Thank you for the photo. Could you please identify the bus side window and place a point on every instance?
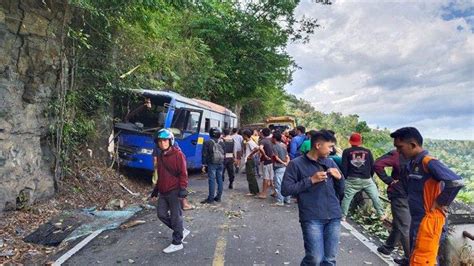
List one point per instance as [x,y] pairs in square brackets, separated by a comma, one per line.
[193,122]
[208,125]
[226,125]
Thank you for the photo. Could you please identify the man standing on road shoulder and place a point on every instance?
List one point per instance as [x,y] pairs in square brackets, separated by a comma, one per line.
[171,185]
[357,167]
[251,148]
[398,203]
[229,157]
[431,187]
[238,143]
[280,161]
[310,178]
[213,157]
[266,153]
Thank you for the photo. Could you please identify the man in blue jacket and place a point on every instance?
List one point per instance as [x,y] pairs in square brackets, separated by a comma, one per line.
[297,141]
[317,183]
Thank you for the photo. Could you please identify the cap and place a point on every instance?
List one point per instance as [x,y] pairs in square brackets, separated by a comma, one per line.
[355,139]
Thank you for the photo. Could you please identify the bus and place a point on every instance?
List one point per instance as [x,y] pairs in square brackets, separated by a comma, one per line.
[148,111]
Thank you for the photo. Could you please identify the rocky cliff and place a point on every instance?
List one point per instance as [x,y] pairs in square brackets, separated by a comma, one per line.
[30,67]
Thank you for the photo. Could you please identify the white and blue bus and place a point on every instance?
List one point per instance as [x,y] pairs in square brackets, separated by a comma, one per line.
[189,120]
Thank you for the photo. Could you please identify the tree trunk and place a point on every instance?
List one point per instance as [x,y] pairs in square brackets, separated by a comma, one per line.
[237,111]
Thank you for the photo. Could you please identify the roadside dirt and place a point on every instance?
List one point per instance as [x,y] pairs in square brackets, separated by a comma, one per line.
[92,187]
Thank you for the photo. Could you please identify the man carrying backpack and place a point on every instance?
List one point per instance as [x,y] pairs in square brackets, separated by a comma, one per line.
[296,142]
[213,158]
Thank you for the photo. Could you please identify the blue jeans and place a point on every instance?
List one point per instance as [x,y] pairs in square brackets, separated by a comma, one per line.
[321,241]
[277,178]
[214,173]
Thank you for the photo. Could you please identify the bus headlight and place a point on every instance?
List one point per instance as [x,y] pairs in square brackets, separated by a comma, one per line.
[145,151]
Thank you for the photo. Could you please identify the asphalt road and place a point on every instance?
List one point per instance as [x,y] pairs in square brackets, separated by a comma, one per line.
[239,231]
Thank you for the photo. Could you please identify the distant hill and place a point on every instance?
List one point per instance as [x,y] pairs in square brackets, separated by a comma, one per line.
[458,155]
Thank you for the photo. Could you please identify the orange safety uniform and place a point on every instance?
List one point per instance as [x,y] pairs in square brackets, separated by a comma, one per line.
[429,180]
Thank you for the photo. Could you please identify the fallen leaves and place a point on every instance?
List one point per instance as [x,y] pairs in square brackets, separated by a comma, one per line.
[84,191]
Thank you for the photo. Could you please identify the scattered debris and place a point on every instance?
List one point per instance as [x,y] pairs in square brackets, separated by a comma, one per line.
[236,236]
[277,252]
[131,261]
[84,190]
[115,204]
[286,263]
[54,232]
[132,224]
[128,190]
[7,253]
[368,262]
[234,214]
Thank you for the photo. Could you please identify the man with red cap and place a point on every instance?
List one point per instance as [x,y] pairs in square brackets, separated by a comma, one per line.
[357,167]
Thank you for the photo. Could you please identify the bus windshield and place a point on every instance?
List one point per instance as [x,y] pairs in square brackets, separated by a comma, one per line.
[147,111]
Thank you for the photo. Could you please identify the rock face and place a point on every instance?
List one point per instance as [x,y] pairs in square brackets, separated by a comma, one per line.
[30,47]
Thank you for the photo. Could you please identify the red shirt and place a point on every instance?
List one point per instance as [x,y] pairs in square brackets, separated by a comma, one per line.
[174,175]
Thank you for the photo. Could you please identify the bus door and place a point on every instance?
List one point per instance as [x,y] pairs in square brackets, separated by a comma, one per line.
[186,126]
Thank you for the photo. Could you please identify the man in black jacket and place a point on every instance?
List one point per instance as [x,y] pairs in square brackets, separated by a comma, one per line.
[357,167]
[213,159]
[229,157]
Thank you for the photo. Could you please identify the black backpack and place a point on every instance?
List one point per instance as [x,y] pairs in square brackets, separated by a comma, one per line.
[217,153]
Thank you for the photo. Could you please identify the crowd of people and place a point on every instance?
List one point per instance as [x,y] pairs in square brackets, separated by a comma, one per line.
[308,167]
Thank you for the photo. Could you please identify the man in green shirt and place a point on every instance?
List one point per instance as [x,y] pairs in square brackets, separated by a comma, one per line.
[306,145]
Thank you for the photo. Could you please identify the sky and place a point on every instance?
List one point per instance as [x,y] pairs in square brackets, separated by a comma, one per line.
[394,63]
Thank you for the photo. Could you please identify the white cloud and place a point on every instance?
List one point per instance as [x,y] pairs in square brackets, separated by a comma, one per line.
[393,63]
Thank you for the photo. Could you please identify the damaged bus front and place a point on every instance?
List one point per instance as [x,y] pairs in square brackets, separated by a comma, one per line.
[148,111]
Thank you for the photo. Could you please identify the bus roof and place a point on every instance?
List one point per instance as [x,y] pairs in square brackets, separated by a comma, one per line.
[213,107]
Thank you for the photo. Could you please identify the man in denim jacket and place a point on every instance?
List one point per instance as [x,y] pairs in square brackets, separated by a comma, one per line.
[316,181]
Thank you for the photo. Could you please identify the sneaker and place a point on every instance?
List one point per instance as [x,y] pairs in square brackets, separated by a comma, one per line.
[278,204]
[401,261]
[186,232]
[173,248]
[231,186]
[206,201]
[216,199]
[384,251]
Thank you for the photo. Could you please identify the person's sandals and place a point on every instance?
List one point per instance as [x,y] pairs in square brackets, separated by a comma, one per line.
[188,207]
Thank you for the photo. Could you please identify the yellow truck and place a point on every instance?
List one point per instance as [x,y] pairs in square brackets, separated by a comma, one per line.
[281,123]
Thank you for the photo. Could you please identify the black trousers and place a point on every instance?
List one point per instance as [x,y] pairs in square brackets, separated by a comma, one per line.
[400,225]
[229,166]
[170,213]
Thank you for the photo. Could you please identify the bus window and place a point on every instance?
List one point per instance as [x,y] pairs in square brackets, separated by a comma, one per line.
[193,122]
[185,122]
[208,125]
[226,125]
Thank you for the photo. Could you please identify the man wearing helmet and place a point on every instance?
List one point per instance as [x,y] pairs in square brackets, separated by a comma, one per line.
[213,158]
[171,185]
